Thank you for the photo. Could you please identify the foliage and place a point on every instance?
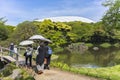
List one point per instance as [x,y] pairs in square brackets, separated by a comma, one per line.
[2,20]
[82,30]
[89,44]
[7,78]
[111,18]
[58,32]
[58,49]
[108,73]
[105,45]
[26,75]
[3,32]
[10,30]
[23,31]
[117,45]
[7,70]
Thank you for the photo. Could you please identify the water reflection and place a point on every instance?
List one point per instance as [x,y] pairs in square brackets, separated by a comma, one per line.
[91,58]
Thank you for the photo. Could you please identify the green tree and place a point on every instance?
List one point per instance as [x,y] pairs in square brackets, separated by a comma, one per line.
[99,35]
[111,19]
[3,20]
[3,29]
[23,31]
[3,32]
[84,31]
[58,32]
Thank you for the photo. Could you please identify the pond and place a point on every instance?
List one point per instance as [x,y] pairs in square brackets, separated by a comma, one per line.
[91,59]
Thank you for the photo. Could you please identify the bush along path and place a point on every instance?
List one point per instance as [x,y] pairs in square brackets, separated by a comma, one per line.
[105,73]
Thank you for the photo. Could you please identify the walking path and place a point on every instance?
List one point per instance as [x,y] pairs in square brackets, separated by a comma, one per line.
[55,74]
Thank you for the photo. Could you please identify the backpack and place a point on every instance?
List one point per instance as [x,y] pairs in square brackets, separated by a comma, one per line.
[49,50]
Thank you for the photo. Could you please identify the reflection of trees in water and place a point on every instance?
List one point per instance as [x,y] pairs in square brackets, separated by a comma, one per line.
[64,58]
[102,57]
[105,56]
[76,58]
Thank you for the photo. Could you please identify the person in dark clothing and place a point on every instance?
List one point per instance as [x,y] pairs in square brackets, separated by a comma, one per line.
[11,48]
[40,58]
[28,56]
[47,56]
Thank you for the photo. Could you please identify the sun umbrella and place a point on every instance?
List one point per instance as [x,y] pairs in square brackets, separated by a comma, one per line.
[40,37]
[37,37]
[48,40]
[26,42]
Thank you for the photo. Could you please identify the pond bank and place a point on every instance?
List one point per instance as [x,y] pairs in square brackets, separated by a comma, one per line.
[106,73]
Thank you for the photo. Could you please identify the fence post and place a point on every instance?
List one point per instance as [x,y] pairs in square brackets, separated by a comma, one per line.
[17,55]
[1,50]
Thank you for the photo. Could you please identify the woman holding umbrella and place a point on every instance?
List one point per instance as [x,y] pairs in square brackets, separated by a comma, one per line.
[40,58]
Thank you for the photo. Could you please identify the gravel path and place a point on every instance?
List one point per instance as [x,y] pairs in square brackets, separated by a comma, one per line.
[54,74]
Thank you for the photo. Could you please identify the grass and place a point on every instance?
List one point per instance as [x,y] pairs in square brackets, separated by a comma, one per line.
[108,73]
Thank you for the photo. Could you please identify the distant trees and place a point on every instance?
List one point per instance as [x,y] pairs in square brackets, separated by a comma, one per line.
[82,30]
[5,30]
[23,31]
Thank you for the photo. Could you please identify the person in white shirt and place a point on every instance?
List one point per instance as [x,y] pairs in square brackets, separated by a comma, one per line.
[16,51]
[28,56]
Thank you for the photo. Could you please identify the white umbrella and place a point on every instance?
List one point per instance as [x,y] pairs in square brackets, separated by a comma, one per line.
[39,37]
[26,42]
[48,40]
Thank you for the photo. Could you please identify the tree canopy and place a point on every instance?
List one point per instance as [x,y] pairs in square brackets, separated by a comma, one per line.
[111,20]
[58,32]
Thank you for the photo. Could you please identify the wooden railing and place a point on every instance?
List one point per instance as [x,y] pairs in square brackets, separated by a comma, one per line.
[5,55]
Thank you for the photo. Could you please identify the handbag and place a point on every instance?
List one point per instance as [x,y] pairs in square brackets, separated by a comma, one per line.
[25,53]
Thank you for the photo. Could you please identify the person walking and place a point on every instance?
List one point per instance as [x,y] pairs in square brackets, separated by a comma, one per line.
[40,58]
[28,56]
[47,56]
[16,52]
[11,48]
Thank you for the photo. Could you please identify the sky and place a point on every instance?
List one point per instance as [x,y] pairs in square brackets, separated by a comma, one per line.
[17,11]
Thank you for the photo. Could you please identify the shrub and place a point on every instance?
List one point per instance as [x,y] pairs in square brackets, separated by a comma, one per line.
[105,45]
[116,45]
[66,67]
[8,69]
[89,45]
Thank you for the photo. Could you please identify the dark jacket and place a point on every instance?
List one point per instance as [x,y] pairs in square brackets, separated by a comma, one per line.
[41,55]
